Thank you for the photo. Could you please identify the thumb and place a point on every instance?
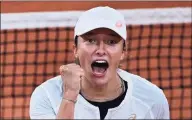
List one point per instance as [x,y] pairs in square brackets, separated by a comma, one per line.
[62,77]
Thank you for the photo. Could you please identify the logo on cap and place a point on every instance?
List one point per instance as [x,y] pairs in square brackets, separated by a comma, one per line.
[118,24]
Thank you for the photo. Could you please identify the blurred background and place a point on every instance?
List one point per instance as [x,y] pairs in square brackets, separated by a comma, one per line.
[160,52]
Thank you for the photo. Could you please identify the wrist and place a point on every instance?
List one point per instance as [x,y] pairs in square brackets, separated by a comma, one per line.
[70,100]
[70,95]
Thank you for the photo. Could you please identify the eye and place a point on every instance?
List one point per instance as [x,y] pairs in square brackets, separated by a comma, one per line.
[111,42]
[92,41]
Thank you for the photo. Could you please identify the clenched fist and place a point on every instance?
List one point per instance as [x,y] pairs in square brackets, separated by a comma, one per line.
[71,74]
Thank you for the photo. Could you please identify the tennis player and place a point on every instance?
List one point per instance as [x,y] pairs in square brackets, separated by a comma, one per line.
[94,87]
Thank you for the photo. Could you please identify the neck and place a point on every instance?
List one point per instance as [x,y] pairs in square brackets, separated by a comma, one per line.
[106,92]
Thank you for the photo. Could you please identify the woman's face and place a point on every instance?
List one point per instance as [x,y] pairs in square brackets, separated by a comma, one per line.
[100,52]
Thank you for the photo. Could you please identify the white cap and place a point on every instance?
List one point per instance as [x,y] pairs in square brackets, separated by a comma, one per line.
[101,17]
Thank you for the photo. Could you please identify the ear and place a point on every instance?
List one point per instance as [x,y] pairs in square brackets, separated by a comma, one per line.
[122,55]
[75,50]
[125,51]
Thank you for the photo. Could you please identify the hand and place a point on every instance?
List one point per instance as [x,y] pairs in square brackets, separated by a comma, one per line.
[72,75]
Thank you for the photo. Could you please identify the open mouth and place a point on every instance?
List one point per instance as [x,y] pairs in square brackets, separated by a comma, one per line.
[99,67]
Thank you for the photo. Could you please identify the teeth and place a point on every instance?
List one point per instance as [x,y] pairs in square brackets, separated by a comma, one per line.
[100,61]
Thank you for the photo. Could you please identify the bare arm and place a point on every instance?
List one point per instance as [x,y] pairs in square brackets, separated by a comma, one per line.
[71,76]
[66,109]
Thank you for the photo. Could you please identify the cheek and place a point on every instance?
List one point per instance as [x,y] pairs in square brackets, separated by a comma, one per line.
[84,55]
[115,56]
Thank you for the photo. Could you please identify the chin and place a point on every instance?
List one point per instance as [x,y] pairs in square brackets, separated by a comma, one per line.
[100,81]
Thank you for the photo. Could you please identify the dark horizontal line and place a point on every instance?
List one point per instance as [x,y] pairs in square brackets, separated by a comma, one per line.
[64,40]
[14,96]
[36,52]
[15,107]
[148,57]
[34,63]
[138,49]
[159,47]
[172,97]
[129,69]
[156,68]
[151,26]
[181,108]
[67,39]
[40,29]
[174,87]
[25,84]
[68,52]
[19,85]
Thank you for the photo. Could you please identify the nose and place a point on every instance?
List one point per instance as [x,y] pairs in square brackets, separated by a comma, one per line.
[101,49]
